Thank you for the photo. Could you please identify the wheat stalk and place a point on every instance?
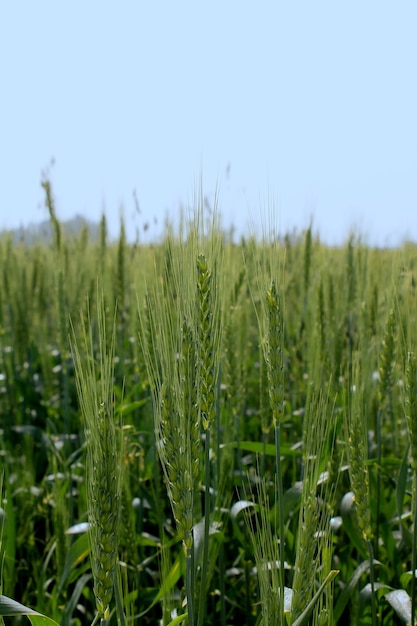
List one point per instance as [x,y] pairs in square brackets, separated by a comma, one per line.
[275,377]
[314,518]
[411,414]
[386,383]
[357,438]
[207,336]
[266,551]
[207,373]
[168,341]
[104,458]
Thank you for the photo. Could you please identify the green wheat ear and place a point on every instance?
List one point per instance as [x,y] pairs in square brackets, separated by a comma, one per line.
[358,468]
[313,540]
[273,354]
[207,371]
[104,458]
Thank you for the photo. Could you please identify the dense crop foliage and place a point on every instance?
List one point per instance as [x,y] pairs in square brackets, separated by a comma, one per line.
[207,432]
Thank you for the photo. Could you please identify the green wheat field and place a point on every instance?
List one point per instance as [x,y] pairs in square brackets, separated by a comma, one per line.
[205,432]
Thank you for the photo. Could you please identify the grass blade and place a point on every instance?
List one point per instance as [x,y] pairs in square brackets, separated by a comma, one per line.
[11,608]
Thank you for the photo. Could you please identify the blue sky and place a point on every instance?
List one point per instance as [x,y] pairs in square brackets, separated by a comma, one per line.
[307,109]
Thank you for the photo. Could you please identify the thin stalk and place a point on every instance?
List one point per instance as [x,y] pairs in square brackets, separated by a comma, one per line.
[413,554]
[217,481]
[264,407]
[378,479]
[238,451]
[372,577]
[263,455]
[280,500]
[118,596]
[189,583]
[204,564]
[411,413]
[275,366]
[222,586]
[95,620]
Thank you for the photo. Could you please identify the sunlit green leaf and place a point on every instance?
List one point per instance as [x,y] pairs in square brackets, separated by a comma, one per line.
[10,608]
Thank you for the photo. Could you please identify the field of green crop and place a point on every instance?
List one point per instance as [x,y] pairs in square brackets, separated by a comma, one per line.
[202,432]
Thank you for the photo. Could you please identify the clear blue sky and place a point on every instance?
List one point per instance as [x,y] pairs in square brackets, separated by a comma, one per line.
[307,107]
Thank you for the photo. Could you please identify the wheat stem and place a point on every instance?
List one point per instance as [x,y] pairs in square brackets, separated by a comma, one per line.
[104,459]
[412,432]
[274,361]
